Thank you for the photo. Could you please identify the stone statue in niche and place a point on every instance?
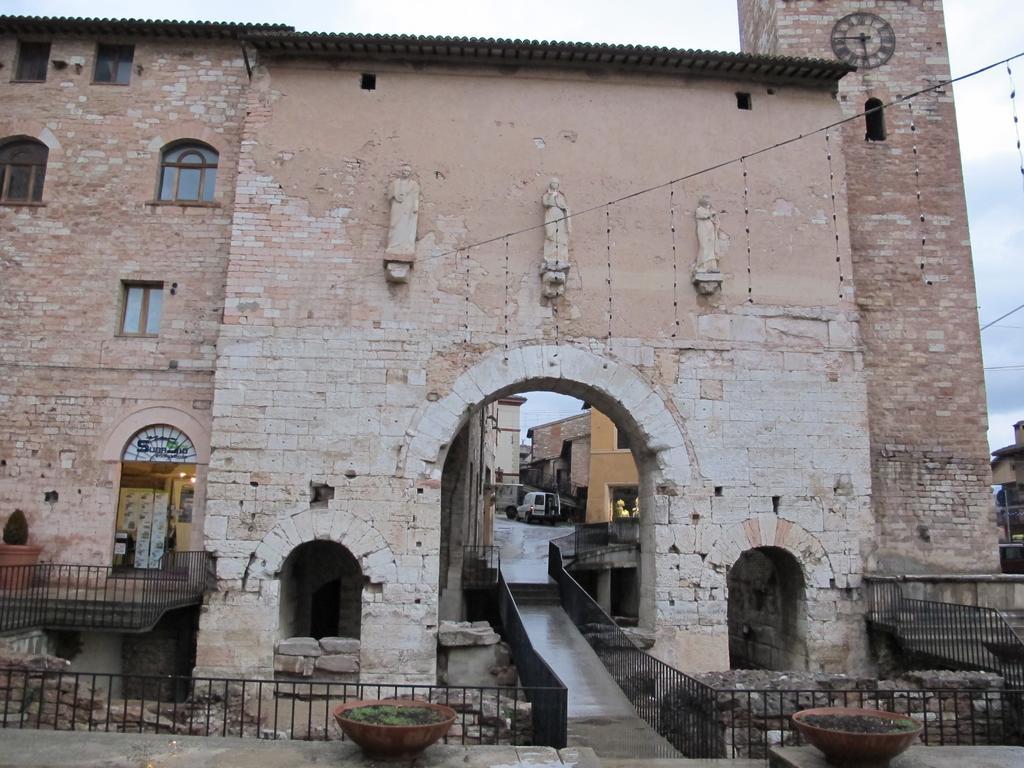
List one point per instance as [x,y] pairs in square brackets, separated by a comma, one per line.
[557,229]
[404,197]
[707,277]
[707,236]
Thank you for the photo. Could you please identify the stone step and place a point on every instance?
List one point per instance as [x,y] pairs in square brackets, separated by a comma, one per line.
[535,594]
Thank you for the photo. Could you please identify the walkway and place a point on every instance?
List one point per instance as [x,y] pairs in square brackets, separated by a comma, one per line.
[600,715]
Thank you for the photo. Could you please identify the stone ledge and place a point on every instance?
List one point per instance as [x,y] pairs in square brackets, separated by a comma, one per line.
[44,749]
[915,757]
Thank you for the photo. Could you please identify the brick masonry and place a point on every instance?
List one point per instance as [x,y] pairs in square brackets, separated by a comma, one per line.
[326,374]
[929,455]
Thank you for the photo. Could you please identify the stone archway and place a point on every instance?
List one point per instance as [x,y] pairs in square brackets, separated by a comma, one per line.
[358,536]
[620,391]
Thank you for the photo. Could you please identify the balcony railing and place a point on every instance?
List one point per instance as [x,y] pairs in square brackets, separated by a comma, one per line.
[590,538]
[948,634]
[63,596]
[480,567]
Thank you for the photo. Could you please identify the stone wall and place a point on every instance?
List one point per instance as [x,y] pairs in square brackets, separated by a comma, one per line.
[68,379]
[930,461]
[327,372]
[548,438]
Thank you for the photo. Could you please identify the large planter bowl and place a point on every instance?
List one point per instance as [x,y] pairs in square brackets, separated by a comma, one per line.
[851,749]
[394,741]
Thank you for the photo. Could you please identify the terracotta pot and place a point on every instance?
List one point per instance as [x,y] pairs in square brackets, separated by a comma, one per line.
[856,750]
[14,555]
[396,742]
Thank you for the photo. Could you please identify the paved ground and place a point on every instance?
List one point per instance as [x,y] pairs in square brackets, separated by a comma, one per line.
[43,749]
[600,715]
[915,757]
[524,549]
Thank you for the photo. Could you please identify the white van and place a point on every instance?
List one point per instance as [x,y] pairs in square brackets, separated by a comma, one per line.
[538,505]
[507,496]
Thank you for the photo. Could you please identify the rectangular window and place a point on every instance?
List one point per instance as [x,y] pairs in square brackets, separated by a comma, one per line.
[621,440]
[141,304]
[114,64]
[33,59]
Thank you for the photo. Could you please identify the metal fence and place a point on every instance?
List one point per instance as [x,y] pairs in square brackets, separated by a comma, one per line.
[948,634]
[265,709]
[753,721]
[60,596]
[591,538]
[546,691]
[678,707]
[480,566]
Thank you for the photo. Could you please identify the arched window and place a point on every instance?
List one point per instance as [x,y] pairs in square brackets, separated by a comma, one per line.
[22,170]
[874,118]
[188,173]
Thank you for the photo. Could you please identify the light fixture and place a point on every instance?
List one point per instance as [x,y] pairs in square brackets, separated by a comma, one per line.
[192,480]
[182,474]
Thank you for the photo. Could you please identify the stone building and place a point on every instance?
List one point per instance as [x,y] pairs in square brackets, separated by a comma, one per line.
[250,260]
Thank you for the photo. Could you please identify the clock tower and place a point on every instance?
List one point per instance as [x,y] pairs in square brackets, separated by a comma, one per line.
[913,280]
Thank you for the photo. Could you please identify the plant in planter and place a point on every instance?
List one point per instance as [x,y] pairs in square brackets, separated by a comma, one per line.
[857,738]
[15,549]
[397,729]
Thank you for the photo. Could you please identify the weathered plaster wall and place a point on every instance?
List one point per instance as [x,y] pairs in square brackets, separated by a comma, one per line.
[327,373]
[930,462]
[67,379]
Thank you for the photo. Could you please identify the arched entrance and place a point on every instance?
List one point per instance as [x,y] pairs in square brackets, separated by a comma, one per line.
[630,400]
[321,592]
[156,496]
[767,611]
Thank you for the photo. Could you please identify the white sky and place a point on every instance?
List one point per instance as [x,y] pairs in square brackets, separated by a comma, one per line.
[979,32]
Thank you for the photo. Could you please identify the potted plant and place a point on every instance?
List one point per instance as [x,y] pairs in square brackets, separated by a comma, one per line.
[857,738]
[15,549]
[397,729]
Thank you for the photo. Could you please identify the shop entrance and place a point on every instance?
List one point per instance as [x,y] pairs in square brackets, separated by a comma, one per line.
[156,497]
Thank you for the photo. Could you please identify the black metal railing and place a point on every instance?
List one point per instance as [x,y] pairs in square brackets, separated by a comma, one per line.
[63,596]
[678,707]
[546,691]
[591,538]
[243,708]
[948,634]
[480,566]
[753,721]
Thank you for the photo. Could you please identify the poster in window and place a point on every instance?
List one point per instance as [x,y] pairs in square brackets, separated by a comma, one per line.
[186,499]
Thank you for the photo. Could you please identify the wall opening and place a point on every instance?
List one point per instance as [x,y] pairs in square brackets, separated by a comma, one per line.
[156,497]
[321,592]
[874,119]
[767,611]
[579,458]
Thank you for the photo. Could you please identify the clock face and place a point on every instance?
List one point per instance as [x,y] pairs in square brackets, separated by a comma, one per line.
[863,40]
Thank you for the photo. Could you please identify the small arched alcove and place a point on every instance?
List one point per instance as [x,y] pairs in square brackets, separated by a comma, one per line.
[767,611]
[321,592]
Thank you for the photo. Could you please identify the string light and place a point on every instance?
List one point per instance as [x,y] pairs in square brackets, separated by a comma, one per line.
[507,279]
[746,226]
[608,278]
[675,261]
[1016,119]
[465,261]
[917,185]
[554,299]
[835,216]
[754,153]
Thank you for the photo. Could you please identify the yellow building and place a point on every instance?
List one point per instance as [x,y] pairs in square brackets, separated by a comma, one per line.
[613,475]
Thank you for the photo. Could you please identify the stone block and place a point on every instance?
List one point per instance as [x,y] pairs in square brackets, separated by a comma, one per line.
[299,646]
[334,645]
[453,634]
[338,662]
[294,665]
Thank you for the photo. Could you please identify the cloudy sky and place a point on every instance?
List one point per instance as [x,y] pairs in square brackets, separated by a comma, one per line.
[980,31]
